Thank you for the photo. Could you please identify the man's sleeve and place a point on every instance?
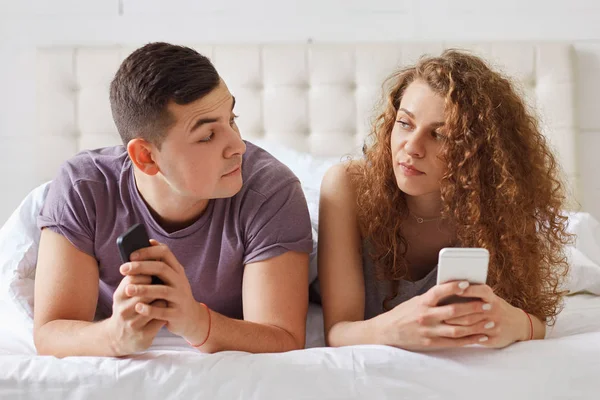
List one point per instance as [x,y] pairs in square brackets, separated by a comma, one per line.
[280,224]
[69,210]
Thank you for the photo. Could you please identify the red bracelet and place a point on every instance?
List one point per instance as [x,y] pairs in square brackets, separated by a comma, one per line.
[207,333]
[530,325]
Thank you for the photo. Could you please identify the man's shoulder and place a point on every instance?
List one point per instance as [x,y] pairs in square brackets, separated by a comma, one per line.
[99,165]
[263,173]
[83,188]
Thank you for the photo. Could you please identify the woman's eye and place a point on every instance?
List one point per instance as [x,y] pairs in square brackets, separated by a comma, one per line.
[403,124]
[233,118]
[438,135]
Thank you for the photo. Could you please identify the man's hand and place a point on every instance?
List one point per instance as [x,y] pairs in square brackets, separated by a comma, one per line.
[129,331]
[184,316]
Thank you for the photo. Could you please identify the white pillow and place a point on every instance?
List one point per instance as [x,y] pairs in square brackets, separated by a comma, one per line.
[584,274]
[310,170]
[19,241]
[587,229]
[584,256]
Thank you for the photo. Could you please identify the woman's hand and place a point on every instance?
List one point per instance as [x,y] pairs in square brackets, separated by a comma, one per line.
[419,324]
[507,324]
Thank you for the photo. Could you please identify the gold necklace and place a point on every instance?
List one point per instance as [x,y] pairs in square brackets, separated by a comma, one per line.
[421,220]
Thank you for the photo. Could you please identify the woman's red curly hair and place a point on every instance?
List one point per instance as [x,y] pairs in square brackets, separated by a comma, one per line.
[502,188]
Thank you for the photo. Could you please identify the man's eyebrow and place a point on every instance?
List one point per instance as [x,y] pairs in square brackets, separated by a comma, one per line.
[204,121]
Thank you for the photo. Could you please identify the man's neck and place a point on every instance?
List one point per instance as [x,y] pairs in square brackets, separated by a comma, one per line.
[172,211]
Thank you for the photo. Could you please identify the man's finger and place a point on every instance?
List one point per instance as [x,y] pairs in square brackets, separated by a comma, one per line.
[130,280]
[138,322]
[153,268]
[154,326]
[126,307]
[157,251]
[154,312]
[159,303]
[154,292]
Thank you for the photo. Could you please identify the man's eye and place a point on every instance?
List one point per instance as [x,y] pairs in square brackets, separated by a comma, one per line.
[207,139]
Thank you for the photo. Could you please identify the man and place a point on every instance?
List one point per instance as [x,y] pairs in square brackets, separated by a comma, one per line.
[231,225]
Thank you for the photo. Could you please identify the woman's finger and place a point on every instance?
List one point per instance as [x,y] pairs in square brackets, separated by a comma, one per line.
[484,327]
[466,320]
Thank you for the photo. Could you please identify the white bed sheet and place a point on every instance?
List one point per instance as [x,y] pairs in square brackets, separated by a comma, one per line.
[564,366]
[16,335]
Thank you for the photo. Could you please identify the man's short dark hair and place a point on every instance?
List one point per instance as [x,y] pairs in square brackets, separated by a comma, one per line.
[151,77]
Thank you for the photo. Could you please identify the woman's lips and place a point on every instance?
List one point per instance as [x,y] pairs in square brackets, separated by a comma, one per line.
[409,170]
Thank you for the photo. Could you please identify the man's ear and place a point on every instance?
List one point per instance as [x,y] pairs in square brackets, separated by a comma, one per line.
[140,153]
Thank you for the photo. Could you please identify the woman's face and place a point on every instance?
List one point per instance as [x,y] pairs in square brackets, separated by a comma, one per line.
[417,139]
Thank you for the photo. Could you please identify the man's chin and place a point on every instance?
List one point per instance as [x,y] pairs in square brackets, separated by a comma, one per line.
[229,190]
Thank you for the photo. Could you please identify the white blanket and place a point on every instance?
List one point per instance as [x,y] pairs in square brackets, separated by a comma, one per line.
[540,370]
[564,366]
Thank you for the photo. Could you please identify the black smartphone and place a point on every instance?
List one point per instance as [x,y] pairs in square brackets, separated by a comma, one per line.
[133,239]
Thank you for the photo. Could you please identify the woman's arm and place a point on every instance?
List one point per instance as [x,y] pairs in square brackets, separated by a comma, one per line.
[417,324]
[539,328]
[340,263]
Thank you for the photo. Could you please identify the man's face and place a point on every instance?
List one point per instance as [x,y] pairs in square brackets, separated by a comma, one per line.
[201,156]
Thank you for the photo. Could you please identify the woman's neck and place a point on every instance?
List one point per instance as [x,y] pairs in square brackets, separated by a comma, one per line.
[425,206]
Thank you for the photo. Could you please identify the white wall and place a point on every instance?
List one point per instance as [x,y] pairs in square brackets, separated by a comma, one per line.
[25,24]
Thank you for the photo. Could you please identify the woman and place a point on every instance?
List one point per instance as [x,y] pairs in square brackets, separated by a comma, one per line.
[454,160]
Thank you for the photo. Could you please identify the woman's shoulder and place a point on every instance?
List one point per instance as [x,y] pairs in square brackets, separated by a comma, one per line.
[343,174]
[339,182]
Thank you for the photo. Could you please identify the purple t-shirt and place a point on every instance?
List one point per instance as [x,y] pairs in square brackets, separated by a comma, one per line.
[94,199]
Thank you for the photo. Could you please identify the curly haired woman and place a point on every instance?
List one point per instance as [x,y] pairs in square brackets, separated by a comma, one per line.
[454,160]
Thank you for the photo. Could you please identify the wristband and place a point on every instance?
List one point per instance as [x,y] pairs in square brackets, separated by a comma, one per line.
[207,333]
[530,325]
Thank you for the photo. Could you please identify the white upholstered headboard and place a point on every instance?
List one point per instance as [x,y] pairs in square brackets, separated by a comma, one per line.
[316,98]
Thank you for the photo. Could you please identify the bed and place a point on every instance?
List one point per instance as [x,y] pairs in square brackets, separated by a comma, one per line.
[309,104]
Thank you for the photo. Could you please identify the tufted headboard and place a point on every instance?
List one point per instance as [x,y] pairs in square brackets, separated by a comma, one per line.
[316,98]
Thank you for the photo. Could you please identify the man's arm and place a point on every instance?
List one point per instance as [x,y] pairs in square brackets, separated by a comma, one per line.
[66,295]
[275,298]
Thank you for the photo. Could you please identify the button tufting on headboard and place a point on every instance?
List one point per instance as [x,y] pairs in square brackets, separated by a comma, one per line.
[317,98]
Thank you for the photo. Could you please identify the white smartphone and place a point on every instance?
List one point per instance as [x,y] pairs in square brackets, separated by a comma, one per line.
[462,264]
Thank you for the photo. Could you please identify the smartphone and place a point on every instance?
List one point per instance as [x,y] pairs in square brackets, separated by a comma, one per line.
[462,264]
[133,239]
